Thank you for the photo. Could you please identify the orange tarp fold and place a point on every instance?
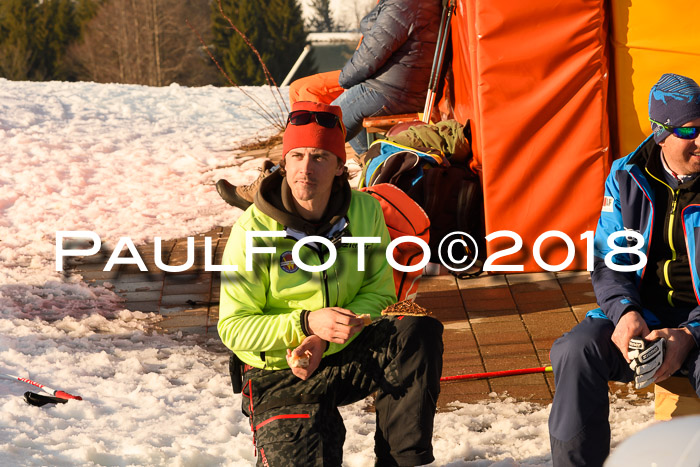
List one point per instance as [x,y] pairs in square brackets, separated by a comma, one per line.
[533,80]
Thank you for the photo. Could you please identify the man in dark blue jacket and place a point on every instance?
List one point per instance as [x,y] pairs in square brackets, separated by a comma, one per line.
[646,277]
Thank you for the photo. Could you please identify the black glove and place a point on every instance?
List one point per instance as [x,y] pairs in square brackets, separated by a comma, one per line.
[647,357]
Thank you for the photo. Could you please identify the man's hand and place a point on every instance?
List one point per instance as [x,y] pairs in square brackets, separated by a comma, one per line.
[679,342]
[334,324]
[630,325]
[315,347]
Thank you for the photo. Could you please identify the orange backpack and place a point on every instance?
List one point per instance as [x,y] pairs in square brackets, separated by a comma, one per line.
[403,217]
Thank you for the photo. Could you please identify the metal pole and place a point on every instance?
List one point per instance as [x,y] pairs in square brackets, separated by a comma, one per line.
[296,65]
[436,55]
[438,59]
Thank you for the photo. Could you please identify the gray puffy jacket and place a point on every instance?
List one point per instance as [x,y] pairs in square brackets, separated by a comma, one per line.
[396,52]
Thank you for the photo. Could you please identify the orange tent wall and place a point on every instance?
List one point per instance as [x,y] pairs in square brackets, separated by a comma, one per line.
[532,78]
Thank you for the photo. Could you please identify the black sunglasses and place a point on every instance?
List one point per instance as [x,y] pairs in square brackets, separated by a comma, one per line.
[682,132]
[304,117]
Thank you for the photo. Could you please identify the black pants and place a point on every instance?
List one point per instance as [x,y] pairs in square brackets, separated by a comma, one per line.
[297,422]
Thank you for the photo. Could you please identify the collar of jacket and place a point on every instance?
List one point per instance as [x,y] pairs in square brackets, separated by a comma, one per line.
[648,157]
[640,157]
[274,198]
[335,234]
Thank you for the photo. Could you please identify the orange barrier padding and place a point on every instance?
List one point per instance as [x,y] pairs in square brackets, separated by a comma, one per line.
[534,82]
[644,49]
[321,87]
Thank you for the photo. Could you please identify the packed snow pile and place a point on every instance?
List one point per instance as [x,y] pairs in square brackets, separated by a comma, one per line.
[140,162]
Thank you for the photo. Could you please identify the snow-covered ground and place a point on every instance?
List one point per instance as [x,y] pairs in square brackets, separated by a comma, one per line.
[141,162]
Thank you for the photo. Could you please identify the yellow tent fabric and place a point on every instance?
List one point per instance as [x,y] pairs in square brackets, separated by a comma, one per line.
[649,38]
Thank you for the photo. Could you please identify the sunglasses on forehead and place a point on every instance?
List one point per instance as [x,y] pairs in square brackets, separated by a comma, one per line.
[304,117]
[682,132]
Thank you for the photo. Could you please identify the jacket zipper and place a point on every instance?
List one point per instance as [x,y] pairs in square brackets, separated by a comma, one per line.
[671,220]
[324,276]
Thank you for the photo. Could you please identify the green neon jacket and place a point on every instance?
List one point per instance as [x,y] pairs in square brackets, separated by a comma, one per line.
[260,310]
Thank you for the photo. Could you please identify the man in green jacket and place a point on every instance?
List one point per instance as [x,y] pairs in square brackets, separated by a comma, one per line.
[291,312]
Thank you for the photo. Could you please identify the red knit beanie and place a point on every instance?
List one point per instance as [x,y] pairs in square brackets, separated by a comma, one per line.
[313,135]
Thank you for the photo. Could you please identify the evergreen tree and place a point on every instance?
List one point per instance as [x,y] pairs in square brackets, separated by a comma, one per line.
[274,27]
[34,36]
[322,21]
[60,27]
[85,10]
[17,51]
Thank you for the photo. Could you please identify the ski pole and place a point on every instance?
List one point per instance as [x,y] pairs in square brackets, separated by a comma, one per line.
[440,47]
[46,389]
[496,374]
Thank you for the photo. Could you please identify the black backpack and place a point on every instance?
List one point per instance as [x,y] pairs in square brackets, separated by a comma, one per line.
[454,202]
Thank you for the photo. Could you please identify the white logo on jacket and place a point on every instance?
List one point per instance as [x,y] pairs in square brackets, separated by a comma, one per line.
[608,203]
